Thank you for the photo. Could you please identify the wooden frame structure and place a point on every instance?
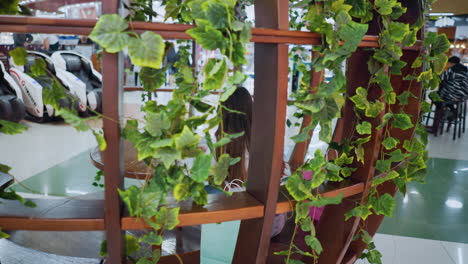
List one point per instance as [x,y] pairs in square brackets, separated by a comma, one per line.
[256,207]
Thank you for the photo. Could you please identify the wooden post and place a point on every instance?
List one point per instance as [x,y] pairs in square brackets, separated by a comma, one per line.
[269,118]
[112,69]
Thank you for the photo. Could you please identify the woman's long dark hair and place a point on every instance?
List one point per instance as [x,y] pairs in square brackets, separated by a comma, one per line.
[240,101]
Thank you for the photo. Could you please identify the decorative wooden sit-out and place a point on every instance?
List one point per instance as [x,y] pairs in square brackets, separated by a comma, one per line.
[258,206]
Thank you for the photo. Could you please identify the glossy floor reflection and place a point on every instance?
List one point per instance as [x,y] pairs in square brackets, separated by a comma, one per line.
[437,209]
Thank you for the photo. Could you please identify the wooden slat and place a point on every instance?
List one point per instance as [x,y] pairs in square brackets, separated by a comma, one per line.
[112,96]
[220,208]
[88,215]
[268,128]
[167,31]
[166,90]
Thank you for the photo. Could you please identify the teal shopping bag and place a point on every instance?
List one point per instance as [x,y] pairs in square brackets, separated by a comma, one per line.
[218,242]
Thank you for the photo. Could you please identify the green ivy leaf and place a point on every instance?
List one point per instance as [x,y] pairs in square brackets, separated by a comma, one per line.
[78,123]
[403,98]
[131,246]
[390,143]
[397,66]
[360,98]
[385,120]
[38,68]
[359,151]
[246,33]
[314,243]
[361,211]
[227,93]
[182,191]
[296,187]
[152,79]
[152,238]
[5,168]
[383,165]
[207,36]
[402,121]
[147,51]
[302,212]
[304,134]
[173,8]
[109,33]
[167,155]
[9,7]
[227,139]
[390,98]
[344,159]
[439,61]
[361,9]
[101,141]
[11,128]
[365,128]
[3,234]
[167,142]
[397,156]
[186,140]
[385,7]
[374,109]
[383,80]
[390,176]
[156,123]
[314,105]
[131,198]
[201,168]
[398,30]
[215,74]
[410,38]
[322,201]
[417,63]
[19,56]
[318,178]
[383,205]
[440,45]
[351,33]
[169,218]
[217,13]
[220,169]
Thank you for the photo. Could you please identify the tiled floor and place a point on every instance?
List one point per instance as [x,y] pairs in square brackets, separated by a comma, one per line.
[409,250]
[430,224]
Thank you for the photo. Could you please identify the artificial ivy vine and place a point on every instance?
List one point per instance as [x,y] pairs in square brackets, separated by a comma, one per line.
[167,139]
[323,104]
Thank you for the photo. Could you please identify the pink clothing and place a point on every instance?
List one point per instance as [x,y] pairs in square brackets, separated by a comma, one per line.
[314,212]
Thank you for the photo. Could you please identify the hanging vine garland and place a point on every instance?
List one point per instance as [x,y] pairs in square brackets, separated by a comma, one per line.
[385,61]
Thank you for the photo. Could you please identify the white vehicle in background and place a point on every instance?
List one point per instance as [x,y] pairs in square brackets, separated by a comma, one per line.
[11,98]
[83,69]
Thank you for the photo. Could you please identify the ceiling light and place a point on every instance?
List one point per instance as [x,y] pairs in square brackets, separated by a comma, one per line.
[441,14]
